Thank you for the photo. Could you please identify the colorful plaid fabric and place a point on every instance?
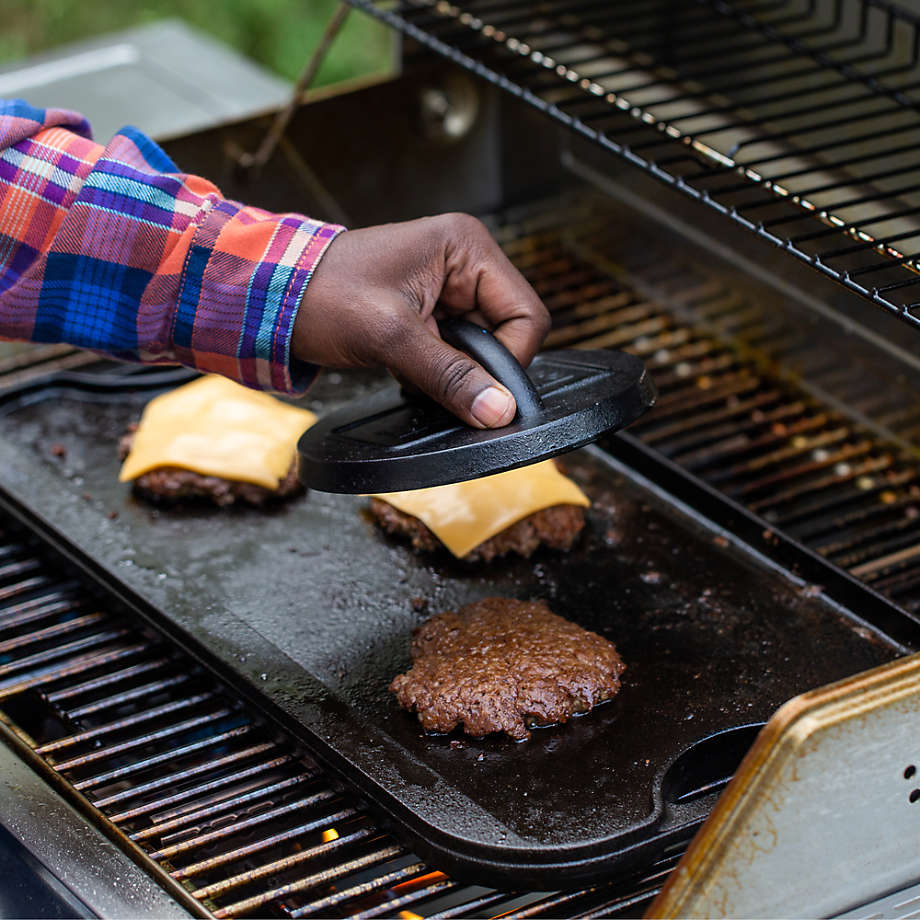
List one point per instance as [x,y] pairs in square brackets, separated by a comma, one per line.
[112,249]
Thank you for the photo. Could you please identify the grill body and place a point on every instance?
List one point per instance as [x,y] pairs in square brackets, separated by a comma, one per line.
[788,412]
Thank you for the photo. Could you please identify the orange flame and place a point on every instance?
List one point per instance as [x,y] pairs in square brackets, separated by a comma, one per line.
[419,882]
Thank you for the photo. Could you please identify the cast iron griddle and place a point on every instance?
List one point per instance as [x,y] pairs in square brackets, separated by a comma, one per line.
[313,608]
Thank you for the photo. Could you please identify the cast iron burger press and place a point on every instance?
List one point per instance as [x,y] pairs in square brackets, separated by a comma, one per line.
[395,442]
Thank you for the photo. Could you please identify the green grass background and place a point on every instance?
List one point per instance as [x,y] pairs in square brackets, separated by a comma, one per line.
[279,34]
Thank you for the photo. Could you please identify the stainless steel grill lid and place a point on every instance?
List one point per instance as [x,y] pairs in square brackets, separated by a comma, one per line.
[394,441]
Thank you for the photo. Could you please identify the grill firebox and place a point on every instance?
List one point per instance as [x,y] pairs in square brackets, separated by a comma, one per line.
[231,812]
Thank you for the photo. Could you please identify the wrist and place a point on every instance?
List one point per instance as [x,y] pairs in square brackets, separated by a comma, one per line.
[301,357]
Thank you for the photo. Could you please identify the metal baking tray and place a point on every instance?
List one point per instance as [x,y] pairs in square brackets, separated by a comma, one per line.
[308,609]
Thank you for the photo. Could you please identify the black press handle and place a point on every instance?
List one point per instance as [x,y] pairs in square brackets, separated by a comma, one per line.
[480,344]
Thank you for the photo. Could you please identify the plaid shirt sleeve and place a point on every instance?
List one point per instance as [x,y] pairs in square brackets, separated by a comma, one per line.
[113,249]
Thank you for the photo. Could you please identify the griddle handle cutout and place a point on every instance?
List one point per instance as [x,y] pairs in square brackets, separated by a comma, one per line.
[707,766]
[480,344]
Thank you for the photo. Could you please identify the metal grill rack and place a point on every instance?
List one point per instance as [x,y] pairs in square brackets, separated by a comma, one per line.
[795,118]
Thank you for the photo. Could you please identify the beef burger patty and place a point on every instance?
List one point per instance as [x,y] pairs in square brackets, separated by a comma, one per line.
[501,664]
[169,484]
[556,527]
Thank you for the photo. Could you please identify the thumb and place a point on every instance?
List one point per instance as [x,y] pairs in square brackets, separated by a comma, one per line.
[450,377]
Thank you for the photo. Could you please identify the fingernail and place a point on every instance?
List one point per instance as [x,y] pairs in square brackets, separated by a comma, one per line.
[491,406]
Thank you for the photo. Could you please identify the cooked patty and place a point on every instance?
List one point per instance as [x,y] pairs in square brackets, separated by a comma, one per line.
[170,484]
[556,527]
[505,665]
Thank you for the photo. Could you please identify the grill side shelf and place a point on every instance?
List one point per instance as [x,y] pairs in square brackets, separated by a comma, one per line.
[802,135]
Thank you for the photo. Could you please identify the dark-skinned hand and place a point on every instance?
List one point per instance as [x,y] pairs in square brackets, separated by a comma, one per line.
[375,296]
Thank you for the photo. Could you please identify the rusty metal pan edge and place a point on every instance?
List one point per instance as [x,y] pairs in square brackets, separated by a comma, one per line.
[710,878]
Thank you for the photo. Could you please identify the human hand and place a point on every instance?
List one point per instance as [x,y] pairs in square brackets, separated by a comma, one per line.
[375,296]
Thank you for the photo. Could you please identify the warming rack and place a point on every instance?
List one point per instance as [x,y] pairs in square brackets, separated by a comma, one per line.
[794,118]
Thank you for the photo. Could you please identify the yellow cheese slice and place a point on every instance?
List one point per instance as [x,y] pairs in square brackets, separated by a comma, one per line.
[464,514]
[216,427]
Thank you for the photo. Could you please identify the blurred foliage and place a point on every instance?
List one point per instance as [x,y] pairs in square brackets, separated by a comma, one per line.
[279,34]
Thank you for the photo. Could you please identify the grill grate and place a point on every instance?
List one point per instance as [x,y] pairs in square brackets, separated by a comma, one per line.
[795,118]
[224,804]
[725,411]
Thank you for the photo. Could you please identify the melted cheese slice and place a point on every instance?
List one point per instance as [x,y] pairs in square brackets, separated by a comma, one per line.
[216,427]
[464,514]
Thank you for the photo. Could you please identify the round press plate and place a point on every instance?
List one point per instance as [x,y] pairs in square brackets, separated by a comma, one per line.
[391,443]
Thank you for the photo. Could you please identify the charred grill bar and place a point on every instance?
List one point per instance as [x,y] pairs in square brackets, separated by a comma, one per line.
[801,412]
